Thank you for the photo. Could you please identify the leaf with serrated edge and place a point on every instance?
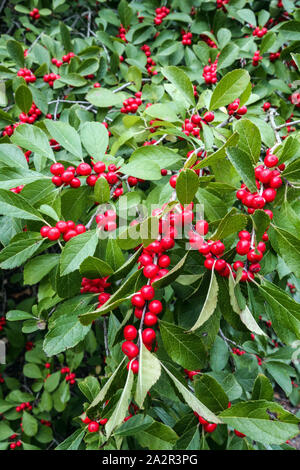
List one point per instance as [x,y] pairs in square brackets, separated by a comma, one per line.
[149,373]
[102,394]
[210,302]
[191,400]
[122,406]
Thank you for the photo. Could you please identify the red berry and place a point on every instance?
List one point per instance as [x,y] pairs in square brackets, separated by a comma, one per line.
[130,349]
[130,332]
[155,307]
[93,426]
[147,292]
[53,234]
[148,336]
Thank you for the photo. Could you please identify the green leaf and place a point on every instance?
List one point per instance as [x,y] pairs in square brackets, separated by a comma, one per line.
[89,387]
[250,322]
[262,388]
[149,373]
[32,371]
[134,426]
[243,165]
[261,222]
[18,252]
[37,268]
[229,88]
[172,274]
[125,13]
[30,424]
[16,52]
[219,355]
[102,190]
[23,97]
[77,250]
[33,138]
[104,390]
[72,442]
[12,156]
[94,137]
[262,421]
[65,36]
[65,135]
[210,392]
[17,315]
[121,409]
[209,304]
[284,312]
[185,349]
[250,138]
[120,295]
[143,169]
[5,431]
[157,437]
[65,332]
[288,247]
[114,255]
[191,400]
[220,154]
[181,81]
[231,223]
[104,98]
[187,184]
[93,267]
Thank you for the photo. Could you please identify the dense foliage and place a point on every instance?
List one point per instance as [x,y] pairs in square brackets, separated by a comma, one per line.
[150,222]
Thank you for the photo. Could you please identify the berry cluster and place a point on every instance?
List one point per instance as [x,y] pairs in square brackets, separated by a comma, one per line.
[191,373]
[210,72]
[256,58]
[2,322]
[54,144]
[186,38]
[291,287]
[95,286]
[160,14]
[28,76]
[9,130]
[222,3]
[274,56]
[18,189]
[131,104]
[31,116]
[23,406]
[122,32]
[65,59]
[107,221]
[208,427]
[34,14]
[194,125]
[235,110]
[45,422]
[150,62]
[208,41]
[260,32]
[246,247]
[50,78]
[68,229]
[13,445]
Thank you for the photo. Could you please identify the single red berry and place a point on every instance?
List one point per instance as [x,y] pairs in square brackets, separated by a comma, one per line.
[53,234]
[130,332]
[147,292]
[148,336]
[93,426]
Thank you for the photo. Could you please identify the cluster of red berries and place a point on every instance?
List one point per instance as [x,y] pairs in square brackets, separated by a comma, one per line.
[9,130]
[260,32]
[94,286]
[107,221]
[28,76]
[274,56]
[50,78]
[186,38]
[160,14]
[122,32]
[29,346]
[208,427]
[13,445]
[62,176]
[45,422]
[257,58]
[194,125]
[2,322]
[208,41]
[34,13]
[65,59]
[68,229]
[31,116]
[246,247]
[93,426]
[71,378]
[210,72]
[150,62]
[131,104]
[23,406]
[54,144]
[222,3]
[291,287]
[235,110]
[18,189]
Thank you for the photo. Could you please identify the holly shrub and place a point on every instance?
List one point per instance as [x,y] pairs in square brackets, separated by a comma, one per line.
[150,221]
